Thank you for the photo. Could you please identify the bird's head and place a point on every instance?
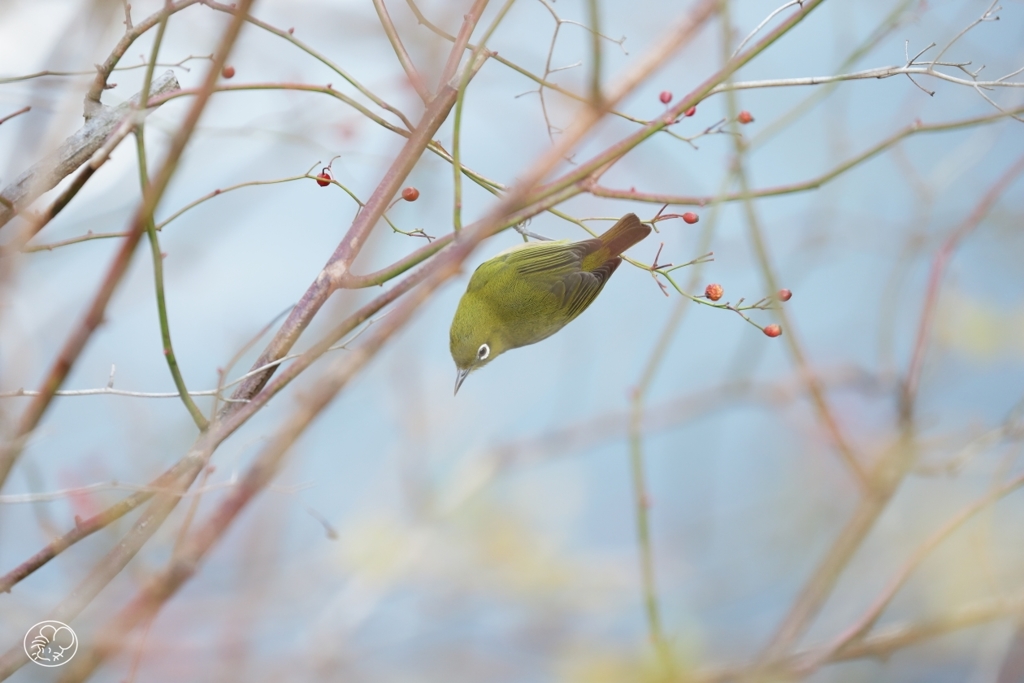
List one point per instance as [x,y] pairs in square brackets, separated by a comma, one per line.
[475,338]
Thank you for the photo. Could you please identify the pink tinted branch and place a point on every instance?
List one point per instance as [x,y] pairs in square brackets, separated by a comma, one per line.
[23,110]
[415,79]
[938,271]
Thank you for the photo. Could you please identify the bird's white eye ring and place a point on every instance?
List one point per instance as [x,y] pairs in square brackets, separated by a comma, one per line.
[483,352]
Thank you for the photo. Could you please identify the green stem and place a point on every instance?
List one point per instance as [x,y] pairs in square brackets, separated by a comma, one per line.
[467,74]
[595,50]
[457,159]
[154,243]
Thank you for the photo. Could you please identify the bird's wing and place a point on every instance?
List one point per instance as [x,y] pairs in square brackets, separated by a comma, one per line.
[557,268]
[546,257]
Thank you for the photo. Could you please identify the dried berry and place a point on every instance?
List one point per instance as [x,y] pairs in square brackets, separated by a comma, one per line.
[714,292]
[744,117]
[410,194]
[227,72]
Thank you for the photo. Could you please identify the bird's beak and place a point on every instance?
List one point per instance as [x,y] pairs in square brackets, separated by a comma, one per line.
[461,378]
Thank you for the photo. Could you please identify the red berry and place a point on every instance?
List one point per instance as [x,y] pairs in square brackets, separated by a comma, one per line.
[691,111]
[410,194]
[773,330]
[690,217]
[714,292]
[785,295]
[665,96]
[324,178]
[227,72]
[744,117]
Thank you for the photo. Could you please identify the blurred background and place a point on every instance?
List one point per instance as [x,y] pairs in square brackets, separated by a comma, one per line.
[413,535]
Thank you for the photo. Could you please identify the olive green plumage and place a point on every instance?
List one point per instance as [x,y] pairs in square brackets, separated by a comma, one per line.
[529,292]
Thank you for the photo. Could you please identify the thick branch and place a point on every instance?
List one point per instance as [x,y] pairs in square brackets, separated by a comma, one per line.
[73,152]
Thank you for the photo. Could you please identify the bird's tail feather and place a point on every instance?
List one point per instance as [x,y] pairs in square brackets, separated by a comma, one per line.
[624,234]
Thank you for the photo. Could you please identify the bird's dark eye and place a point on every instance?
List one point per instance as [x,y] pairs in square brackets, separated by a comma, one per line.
[483,352]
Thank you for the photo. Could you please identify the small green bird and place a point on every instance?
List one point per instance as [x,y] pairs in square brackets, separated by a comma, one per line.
[529,292]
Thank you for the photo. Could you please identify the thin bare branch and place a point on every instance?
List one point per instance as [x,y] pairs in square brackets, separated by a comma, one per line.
[415,79]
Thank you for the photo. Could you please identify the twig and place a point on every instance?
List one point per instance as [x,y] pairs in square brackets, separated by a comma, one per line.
[290,37]
[88,236]
[820,401]
[23,110]
[802,186]
[50,496]
[92,72]
[105,391]
[109,389]
[986,16]
[764,22]
[869,74]
[594,96]
[540,81]
[82,529]
[93,107]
